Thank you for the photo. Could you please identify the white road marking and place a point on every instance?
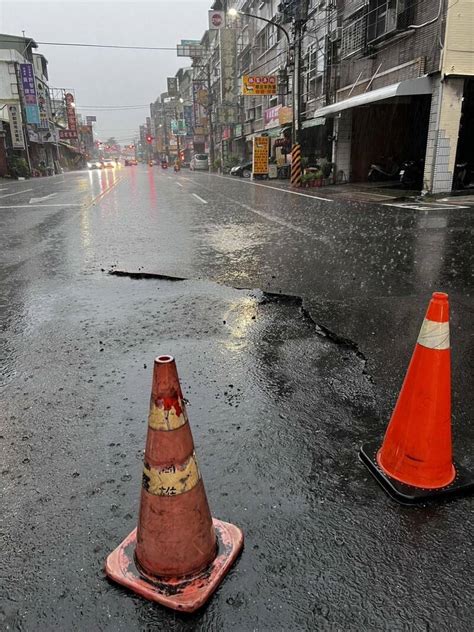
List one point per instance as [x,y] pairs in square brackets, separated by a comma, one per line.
[16,193]
[179,184]
[37,205]
[199,198]
[40,199]
[426,206]
[267,186]
[4,189]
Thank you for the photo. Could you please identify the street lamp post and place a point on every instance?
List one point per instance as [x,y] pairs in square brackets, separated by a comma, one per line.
[294,61]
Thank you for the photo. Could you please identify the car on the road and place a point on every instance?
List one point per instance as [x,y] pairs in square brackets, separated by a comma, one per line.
[131,162]
[199,162]
[109,163]
[244,170]
[94,164]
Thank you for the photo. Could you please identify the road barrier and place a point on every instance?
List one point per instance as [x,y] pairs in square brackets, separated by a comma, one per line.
[179,554]
[414,463]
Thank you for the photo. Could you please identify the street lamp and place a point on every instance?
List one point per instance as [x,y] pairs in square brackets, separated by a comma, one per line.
[293,61]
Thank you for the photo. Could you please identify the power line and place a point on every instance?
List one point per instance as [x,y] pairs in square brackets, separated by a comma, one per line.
[173,48]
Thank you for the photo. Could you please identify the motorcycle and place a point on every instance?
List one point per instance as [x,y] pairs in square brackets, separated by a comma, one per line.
[463,176]
[381,173]
[164,164]
[411,173]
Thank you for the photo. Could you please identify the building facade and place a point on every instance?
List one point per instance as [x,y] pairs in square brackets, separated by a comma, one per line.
[359,82]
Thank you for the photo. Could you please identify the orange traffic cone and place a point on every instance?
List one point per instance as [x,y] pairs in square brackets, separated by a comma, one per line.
[415,463]
[179,554]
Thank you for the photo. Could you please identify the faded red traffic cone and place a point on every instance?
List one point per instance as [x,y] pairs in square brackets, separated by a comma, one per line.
[179,554]
[415,462]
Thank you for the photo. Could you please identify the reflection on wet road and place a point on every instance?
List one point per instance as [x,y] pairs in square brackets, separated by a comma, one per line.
[278,406]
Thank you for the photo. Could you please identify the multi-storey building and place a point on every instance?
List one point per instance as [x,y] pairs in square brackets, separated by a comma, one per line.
[401,78]
[28,132]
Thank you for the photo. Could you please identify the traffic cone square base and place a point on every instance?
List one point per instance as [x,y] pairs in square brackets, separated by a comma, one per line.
[186,594]
[407,494]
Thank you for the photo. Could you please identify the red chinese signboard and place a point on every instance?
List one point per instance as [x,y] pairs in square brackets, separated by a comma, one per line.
[71,116]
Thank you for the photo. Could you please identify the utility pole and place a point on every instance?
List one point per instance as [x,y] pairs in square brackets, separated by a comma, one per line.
[209,117]
[300,18]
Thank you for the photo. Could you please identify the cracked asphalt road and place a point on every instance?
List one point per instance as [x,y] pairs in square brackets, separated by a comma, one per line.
[292,326]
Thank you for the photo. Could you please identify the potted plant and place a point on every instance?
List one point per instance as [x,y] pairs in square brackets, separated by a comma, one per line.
[305,180]
[217,164]
[18,167]
[318,178]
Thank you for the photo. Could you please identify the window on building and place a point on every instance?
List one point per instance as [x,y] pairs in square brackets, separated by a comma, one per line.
[386,17]
[354,31]
[258,112]
[315,72]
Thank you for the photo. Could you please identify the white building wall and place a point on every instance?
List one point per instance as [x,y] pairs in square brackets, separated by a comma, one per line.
[342,144]
[443,132]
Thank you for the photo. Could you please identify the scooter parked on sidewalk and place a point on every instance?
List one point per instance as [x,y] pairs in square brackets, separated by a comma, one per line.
[463,176]
[411,174]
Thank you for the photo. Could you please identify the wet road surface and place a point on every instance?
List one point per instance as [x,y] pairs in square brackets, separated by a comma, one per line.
[292,330]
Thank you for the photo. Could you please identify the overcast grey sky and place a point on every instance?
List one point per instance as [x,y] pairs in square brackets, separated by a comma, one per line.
[109,77]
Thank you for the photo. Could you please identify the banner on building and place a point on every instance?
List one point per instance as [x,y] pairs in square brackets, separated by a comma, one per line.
[253,85]
[261,146]
[216,19]
[30,98]
[172,84]
[71,116]
[14,116]
[271,116]
[91,119]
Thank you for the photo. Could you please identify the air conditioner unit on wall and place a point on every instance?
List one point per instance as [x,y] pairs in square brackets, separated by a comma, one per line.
[335,35]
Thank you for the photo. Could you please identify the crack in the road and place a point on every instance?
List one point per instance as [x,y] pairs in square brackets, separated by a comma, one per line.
[269,297]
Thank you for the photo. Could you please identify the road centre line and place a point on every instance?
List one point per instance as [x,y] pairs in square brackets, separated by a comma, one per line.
[199,198]
[16,193]
[179,184]
[267,186]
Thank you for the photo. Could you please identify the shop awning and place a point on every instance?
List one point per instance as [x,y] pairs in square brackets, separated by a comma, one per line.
[401,89]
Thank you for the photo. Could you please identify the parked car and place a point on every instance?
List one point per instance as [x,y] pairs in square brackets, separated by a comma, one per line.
[94,164]
[244,170]
[131,162]
[108,163]
[199,162]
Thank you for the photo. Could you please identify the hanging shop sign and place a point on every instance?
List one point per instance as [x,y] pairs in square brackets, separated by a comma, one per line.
[253,85]
[226,133]
[14,116]
[67,134]
[200,103]
[30,97]
[229,71]
[216,19]
[91,119]
[71,116]
[188,117]
[260,155]
[285,115]
[172,84]
[43,105]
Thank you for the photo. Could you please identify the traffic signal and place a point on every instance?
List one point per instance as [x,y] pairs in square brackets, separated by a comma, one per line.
[149,139]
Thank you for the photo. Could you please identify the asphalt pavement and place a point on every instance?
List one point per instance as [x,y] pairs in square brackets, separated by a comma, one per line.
[292,317]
